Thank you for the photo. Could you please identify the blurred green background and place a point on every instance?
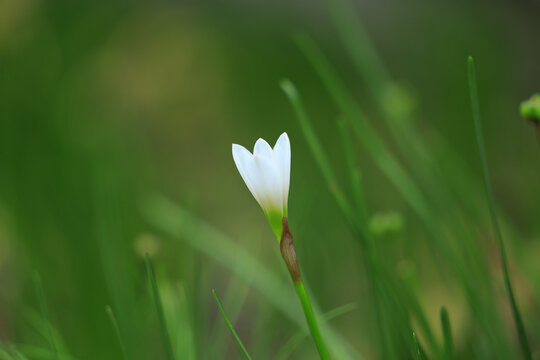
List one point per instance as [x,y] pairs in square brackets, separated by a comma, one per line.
[107,104]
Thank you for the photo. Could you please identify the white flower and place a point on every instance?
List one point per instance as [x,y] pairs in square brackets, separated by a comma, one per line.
[266,173]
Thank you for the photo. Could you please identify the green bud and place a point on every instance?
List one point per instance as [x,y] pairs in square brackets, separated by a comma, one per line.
[382,224]
[530,109]
[399,101]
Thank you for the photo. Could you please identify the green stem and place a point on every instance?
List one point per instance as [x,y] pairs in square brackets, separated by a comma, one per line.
[311,320]
[489,194]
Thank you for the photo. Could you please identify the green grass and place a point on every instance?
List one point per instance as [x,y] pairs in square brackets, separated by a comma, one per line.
[118,188]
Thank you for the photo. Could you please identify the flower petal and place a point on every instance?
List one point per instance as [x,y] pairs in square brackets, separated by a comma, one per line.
[282,159]
[266,173]
[265,180]
[262,149]
[244,160]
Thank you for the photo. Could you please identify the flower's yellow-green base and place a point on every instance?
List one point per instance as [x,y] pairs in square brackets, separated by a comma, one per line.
[275,219]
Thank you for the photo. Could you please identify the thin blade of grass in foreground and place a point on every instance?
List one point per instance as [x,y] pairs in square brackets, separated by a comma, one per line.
[230,326]
[4,355]
[447,334]
[235,297]
[37,352]
[43,308]
[159,309]
[19,356]
[114,323]
[10,354]
[418,352]
[473,92]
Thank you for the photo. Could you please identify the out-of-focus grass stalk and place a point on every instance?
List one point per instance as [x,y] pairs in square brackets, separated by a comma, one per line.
[114,324]
[418,352]
[370,253]
[19,356]
[4,354]
[404,294]
[182,328]
[43,308]
[353,173]
[36,352]
[10,354]
[159,309]
[447,334]
[230,326]
[473,91]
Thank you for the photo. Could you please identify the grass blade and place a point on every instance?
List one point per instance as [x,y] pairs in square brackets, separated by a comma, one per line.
[473,92]
[353,173]
[418,351]
[159,309]
[235,297]
[447,334]
[114,323]
[4,355]
[43,308]
[230,326]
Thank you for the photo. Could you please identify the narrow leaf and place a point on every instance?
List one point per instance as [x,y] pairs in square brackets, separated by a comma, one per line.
[447,334]
[114,323]
[418,352]
[43,308]
[525,347]
[230,326]
[159,309]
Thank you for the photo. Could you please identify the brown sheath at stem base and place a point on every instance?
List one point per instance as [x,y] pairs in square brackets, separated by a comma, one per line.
[288,253]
